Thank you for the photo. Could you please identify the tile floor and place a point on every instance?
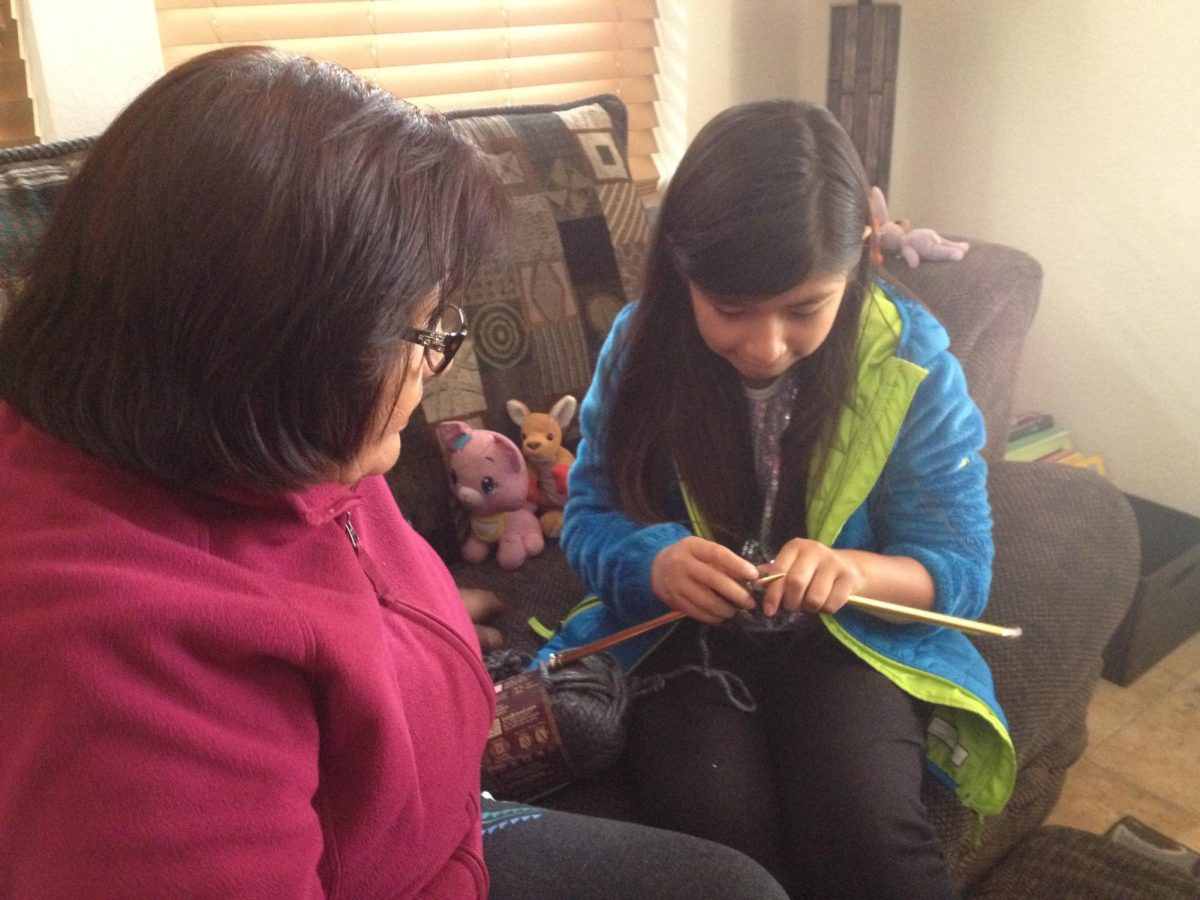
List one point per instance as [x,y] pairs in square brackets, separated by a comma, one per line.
[1143,753]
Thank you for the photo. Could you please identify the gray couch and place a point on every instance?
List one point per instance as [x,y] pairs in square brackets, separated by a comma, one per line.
[1066,541]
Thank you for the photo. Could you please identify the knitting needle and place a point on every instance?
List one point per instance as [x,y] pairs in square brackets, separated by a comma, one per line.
[565,657]
[909,613]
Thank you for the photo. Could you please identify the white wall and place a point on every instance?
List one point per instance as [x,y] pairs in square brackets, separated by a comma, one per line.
[1069,129]
[87,60]
[720,52]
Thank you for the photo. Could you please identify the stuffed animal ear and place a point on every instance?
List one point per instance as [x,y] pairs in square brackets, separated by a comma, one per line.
[564,410]
[517,411]
[510,451]
[879,208]
[451,433]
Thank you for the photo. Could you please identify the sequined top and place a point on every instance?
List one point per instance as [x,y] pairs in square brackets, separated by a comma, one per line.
[770,414]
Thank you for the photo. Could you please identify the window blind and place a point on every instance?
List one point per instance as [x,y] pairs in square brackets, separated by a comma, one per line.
[453,54]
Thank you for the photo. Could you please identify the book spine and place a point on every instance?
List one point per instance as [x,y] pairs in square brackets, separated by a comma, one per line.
[1058,456]
[1093,461]
[1031,423]
[1039,445]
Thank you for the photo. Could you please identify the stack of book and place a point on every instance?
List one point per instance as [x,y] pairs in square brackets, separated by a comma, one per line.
[1034,436]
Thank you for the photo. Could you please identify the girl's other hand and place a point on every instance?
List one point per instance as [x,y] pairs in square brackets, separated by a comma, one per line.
[819,579]
[703,579]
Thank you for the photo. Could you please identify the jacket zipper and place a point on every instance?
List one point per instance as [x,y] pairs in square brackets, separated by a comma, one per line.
[388,601]
[370,569]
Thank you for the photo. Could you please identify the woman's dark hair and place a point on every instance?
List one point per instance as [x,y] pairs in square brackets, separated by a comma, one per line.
[221,292]
[767,195]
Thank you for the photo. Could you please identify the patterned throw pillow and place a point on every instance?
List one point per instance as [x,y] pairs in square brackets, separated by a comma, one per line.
[31,178]
[538,313]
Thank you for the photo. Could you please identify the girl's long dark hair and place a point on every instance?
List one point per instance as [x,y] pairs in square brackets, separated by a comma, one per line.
[768,194]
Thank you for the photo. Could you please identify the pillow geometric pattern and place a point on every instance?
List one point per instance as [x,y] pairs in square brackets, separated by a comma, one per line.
[540,308]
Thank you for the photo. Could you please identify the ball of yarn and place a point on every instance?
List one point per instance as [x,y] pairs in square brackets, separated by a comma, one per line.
[501,664]
[589,700]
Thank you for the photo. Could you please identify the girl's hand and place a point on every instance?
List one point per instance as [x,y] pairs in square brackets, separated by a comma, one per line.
[702,579]
[819,579]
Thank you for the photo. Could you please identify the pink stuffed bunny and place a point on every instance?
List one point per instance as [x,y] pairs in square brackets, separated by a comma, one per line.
[489,477]
[914,244]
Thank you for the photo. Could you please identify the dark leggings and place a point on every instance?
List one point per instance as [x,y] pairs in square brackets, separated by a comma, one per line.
[821,784]
[543,854]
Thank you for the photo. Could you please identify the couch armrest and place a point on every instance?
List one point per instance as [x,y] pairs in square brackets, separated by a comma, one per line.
[1067,564]
[987,302]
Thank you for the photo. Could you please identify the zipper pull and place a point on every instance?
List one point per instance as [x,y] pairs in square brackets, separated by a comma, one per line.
[374,575]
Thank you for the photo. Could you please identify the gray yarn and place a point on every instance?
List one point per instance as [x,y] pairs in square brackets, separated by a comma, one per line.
[501,664]
[736,691]
[589,700]
[755,620]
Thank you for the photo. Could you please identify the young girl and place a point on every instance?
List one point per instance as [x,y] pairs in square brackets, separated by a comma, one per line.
[772,406]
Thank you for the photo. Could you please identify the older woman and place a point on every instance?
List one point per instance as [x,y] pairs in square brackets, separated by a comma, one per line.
[228,667]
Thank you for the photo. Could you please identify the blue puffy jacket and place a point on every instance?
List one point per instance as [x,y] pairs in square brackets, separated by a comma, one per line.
[900,474]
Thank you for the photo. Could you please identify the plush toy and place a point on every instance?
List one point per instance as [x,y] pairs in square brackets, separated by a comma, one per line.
[914,244]
[548,459]
[489,477]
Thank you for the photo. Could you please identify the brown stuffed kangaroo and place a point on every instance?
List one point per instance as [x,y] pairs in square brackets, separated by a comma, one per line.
[548,459]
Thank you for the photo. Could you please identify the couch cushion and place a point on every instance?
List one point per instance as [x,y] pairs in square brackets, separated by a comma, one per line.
[540,308]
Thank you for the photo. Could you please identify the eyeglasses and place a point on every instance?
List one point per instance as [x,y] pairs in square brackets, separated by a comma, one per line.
[442,339]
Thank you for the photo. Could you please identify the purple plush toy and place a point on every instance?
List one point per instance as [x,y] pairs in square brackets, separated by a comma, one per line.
[914,244]
[489,477]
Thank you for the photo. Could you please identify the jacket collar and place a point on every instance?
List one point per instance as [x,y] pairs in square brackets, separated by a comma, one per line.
[314,505]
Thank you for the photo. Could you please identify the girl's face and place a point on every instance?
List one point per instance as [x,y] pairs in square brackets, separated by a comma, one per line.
[762,340]
[399,397]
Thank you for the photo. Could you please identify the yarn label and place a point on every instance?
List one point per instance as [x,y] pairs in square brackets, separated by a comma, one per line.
[524,757]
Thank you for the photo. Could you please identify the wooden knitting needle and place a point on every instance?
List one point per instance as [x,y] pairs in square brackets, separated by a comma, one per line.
[877,607]
[911,614]
[565,657]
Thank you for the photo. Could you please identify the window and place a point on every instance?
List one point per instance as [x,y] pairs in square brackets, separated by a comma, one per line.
[453,54]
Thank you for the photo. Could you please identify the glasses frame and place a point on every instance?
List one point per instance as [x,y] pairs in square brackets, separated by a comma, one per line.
[446,343]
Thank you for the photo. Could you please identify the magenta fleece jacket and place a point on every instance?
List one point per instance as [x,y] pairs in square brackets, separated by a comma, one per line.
[224,697]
